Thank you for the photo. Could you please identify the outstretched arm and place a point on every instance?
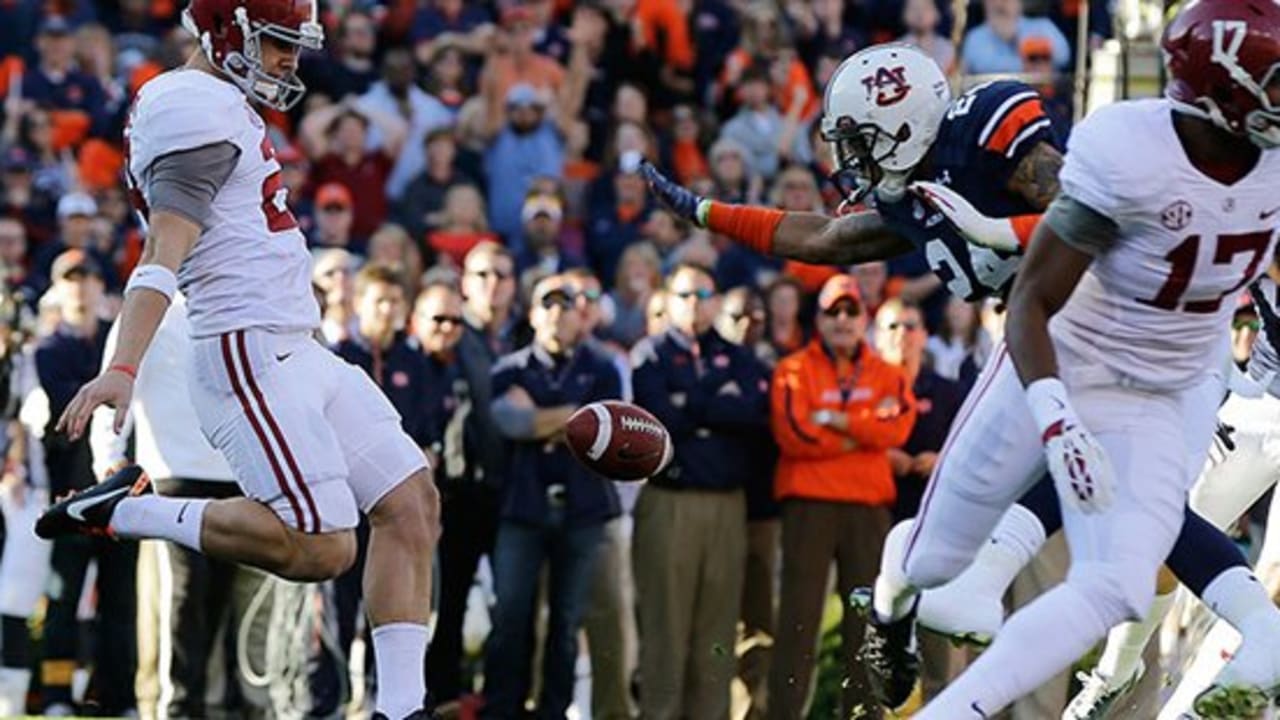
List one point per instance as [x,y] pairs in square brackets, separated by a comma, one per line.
[856,238]
[805,236]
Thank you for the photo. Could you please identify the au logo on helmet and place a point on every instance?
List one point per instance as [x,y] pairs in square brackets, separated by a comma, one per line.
[889,84]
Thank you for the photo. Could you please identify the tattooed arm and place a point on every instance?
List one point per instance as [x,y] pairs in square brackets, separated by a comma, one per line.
[1036,177]
[855,238]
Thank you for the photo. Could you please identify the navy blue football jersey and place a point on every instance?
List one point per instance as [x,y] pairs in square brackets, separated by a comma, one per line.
[985,134]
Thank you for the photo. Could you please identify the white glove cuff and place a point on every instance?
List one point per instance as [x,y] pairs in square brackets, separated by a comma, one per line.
[1048,400]
[153,277]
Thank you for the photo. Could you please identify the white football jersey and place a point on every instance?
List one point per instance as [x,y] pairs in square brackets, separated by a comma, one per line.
[250,268]
[1155,308]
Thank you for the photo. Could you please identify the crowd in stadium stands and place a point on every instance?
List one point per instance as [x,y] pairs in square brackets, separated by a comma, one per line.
[465,174]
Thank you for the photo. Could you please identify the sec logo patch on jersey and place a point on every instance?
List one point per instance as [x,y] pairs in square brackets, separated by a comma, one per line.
[1177,215]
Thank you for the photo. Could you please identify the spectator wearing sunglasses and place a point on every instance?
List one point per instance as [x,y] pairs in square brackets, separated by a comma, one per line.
[609,621]
[553,510]
[837,410]
[690,542]
[900,338]
[468,533]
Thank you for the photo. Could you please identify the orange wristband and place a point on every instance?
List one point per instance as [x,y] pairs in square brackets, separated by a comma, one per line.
[129,370]
[1023,227]
[750,226]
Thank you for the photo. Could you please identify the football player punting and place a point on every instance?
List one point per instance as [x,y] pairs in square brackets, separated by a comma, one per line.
[311,440]
[888,154]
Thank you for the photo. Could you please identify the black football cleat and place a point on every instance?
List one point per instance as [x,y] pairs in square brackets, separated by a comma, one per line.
[889,652]
[88,511]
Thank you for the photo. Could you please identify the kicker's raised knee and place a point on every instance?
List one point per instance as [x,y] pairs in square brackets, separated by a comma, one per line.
[313,558]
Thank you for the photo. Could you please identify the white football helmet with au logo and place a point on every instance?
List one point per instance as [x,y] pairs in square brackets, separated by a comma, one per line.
[881,114]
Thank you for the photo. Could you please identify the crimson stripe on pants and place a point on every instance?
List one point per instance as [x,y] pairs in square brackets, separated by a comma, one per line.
[965,412]
[238,389]
[275,431]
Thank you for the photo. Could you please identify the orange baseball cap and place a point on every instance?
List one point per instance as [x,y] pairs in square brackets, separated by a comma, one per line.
[839,287]
[333,194]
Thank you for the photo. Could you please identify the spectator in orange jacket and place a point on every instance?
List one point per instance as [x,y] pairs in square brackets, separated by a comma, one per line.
[837,409]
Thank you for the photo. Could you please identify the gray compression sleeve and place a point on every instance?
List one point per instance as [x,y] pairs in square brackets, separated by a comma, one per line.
[1080,226]
[186,182]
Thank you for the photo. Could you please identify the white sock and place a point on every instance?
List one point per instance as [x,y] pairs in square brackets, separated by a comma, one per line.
[1014,542]
[893,597]
[399,650]
[1235,595]
[160,518]
[1126,642]
[13,691]
[1038,642]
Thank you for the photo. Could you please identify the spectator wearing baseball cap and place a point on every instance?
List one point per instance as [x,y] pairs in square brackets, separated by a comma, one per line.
[543,218]
[525,144]
[553,509]
[66,359]
[837,409]
[77,213]
[334,219]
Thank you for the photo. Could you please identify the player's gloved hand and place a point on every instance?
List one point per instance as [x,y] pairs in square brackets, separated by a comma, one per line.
[989,232]
[1079,465]
[681,200]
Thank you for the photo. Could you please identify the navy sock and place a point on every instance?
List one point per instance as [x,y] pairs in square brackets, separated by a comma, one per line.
[1202,553]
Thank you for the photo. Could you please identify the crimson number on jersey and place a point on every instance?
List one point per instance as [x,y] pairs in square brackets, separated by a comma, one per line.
[275,196]
[1182,261]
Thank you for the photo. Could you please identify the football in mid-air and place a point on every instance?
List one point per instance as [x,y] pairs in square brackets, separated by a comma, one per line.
[618,440]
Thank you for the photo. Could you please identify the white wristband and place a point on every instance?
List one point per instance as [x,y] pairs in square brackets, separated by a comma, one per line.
[1048,400]
[153,277]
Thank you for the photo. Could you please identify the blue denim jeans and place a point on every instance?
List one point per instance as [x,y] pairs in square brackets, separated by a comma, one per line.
[519,554]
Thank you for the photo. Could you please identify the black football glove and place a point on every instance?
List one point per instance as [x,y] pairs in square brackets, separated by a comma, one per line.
[680,200]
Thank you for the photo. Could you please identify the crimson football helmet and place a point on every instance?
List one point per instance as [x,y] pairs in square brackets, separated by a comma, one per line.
[1223,58]
[230,34]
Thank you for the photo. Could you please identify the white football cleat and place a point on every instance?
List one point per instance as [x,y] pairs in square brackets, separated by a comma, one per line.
[1246,686]
[1098,693]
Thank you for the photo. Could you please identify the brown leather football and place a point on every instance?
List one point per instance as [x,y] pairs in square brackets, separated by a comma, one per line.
[618,440]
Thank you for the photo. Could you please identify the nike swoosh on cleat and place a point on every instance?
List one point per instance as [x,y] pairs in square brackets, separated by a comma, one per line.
[75,507]
[283,356]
